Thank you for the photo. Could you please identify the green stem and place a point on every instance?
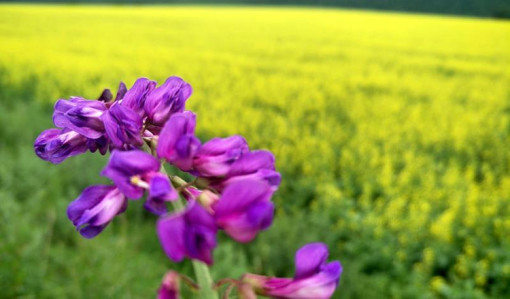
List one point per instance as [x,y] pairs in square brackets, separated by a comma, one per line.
[202,273]
[205,281]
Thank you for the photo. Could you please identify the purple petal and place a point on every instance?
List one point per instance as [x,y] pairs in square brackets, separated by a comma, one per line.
[160,191]
[91,231]
[123,165]
[161,187]
[314,279]
[171,232]
[101,144]
[123,126]
[156,206]
[121,91]
[57,145]
[244,227]
[134,162]
[177,144]
[80,115]
[166,100]
[252,162]
[321,285]
[95,208]
[215,158]
[272,177]
[240,195]
[309,259]
[135,97]
[198,215]
[190,233]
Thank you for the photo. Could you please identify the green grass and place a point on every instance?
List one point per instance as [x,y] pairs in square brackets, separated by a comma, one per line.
[391,132]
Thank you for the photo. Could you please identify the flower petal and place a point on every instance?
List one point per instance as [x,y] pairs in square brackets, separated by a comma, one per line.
[309,259]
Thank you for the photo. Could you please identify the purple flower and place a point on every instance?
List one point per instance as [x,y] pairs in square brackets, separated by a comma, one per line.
[135,97]
[56,145]
[170,286]
[166,100]
[160,191]
[215,157]
[314,277]
[257,165]
[177,142]
[95,208]
[135,171]
[123,126]
[244,209]
[189,233]
[80,115]
[129,171]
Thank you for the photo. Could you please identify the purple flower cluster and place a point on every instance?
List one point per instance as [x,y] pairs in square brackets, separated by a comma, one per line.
[108,123]
[232,190]
[236,184]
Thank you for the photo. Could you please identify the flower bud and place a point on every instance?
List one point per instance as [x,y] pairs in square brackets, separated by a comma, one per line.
[55,145]
[95,208]
[170,287]
[123,126]
[177,142]
[135,97]
[167,99]
[80,115]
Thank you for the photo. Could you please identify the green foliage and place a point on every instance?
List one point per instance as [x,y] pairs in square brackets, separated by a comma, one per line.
[391,132]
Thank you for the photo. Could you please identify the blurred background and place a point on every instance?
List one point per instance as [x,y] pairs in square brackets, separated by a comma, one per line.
[391,130]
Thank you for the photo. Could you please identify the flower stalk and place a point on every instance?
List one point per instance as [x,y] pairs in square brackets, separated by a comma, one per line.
[202,274]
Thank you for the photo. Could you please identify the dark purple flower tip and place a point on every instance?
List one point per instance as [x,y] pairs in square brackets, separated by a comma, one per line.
[170,287]
[166,100]
[177,142]
[244,209]
[129,171]
[314,279]
[121,91]
[160,191]
[106,96]
[95,208]
[135,97]
[123,126]
[189,233]
[215,157]
[56,145]
[80,115]
[100,144]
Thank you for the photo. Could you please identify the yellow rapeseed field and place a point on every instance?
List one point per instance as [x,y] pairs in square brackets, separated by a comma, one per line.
[392,131]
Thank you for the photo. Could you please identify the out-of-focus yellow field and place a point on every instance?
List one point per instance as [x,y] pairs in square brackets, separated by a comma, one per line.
[392,131]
